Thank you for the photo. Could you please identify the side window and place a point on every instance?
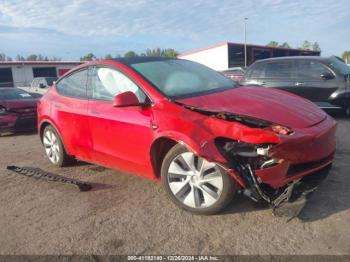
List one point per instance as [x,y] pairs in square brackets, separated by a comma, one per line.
[73,85]
[280,69]
[107,83]
[255,71]
[311,69]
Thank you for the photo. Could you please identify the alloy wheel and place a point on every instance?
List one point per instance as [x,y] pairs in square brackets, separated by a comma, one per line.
[52,147]
[194,181]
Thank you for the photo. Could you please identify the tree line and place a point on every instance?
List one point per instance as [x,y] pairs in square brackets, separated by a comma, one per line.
[168,52]
[307,45]
[32,57]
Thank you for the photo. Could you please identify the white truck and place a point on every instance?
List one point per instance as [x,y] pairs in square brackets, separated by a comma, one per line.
[40,85]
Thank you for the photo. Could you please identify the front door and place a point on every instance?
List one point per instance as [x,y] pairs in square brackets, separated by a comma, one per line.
[122,136]
[310,83]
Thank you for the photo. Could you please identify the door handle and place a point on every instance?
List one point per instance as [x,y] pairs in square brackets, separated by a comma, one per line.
[57,106]
[153,126]
[299,83]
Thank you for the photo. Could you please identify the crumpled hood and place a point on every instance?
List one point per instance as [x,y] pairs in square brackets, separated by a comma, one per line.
[268,104]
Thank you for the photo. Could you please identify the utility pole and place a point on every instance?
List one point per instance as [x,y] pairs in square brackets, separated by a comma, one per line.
[245,41]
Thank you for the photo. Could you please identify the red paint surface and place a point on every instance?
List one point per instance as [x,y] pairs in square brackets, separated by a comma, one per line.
[122,137]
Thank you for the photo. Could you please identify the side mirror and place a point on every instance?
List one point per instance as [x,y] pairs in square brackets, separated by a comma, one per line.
[127,98]
[327,76]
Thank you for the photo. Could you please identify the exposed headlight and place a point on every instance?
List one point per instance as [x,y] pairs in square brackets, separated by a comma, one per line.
[241,148]
[282,130]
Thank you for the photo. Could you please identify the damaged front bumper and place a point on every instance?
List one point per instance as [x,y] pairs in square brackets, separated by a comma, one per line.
[305,152]
[272,171]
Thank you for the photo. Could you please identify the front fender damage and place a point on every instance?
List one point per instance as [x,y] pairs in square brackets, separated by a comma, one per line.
[242,145]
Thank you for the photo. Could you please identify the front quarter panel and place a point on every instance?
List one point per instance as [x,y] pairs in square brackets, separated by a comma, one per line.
[199,131]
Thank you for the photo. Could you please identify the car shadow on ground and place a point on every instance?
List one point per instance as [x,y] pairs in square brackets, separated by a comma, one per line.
[325,201]
[331,197]
[18,133]
[242,204]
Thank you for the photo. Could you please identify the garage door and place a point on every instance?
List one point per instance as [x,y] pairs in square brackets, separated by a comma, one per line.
[6,79]
[44,72]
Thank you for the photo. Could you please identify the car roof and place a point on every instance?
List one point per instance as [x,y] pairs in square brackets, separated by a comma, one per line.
[315,58]
[141,59]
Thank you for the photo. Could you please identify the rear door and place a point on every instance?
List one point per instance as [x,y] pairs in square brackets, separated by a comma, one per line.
[70,113]
[310,83]
[280,74]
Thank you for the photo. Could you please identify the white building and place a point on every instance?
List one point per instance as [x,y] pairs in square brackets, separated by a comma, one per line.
[21,73]
[226,55]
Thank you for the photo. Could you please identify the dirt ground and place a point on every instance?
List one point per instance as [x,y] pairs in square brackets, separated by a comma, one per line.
[126,214]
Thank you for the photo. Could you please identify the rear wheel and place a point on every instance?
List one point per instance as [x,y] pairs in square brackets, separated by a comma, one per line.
[54,148]
[196,184]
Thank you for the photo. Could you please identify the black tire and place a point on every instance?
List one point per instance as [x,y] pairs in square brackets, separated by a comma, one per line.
[228,191]
[347,111]
[63,158]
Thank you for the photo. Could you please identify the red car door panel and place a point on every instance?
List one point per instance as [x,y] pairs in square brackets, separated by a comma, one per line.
[121,136]
[70,110]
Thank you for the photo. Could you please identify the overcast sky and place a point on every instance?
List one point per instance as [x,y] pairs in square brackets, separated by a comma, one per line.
[69,29]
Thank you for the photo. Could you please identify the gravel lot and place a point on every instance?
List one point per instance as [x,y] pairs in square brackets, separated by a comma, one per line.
[127,214]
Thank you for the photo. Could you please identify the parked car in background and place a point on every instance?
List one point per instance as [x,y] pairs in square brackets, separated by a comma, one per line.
[200,133]
[17,110]
[234,73]
[40,85]
[324,81]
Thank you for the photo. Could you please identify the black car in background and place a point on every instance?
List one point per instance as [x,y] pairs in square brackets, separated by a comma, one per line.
[324,81]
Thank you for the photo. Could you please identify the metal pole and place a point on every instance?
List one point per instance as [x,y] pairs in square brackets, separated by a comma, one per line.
[245,41]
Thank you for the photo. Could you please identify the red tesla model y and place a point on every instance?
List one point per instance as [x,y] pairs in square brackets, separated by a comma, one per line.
[179,122]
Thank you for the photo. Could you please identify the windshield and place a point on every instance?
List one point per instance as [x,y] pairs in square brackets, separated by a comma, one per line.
[178,78]
[14,94]
[339,66]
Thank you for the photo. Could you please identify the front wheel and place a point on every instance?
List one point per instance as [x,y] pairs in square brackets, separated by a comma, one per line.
[195,184]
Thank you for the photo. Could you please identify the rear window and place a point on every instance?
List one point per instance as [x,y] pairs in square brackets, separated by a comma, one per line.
[280,69]
[73,85]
